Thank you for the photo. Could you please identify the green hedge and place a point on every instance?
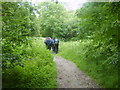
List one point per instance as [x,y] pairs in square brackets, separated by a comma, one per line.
[36,69]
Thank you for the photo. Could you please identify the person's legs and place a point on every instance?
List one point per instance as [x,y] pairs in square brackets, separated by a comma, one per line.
[53,48]
[57,48]
[49,47]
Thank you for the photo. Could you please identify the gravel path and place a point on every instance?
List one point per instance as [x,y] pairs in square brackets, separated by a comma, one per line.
[69,76]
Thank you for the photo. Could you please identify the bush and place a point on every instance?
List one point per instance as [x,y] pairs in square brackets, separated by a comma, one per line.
[37,70]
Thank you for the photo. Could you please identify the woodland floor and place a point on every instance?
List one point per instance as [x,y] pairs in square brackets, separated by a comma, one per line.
[69,76]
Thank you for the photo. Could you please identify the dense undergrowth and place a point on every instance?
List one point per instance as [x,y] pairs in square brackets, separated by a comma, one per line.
[35,70]
[93,61]
[25,61]
[27,64]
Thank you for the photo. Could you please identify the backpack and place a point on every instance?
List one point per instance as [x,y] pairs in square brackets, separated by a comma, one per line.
[56,41]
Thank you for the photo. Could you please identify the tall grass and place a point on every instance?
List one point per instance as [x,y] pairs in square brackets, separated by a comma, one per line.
[36,70]
[106,75]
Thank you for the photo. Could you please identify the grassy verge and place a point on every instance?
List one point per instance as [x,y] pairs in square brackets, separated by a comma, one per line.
[82,54]
[36,70]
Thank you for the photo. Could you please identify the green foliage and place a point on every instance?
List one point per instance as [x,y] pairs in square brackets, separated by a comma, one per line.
[102,67]
[14,30]
[17,27]
[37,69]
[55,21]
[51,17]
[98,22]
[25,62]
[98,19]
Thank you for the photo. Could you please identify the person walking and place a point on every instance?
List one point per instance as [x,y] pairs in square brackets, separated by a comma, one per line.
[55,45]
[48,42]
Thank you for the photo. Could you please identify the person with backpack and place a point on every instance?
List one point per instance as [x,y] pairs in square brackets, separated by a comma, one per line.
[48,42]
[55,45]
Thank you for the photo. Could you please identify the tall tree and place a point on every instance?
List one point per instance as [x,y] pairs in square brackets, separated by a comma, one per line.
[51,17]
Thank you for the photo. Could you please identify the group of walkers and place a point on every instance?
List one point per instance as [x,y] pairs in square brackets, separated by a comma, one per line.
[52,44]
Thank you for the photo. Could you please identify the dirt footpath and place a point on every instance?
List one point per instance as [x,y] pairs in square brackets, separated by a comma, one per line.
[69,76]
